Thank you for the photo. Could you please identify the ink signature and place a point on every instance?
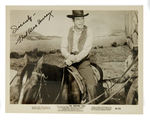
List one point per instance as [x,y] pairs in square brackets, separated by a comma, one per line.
[30,29]
[15,28]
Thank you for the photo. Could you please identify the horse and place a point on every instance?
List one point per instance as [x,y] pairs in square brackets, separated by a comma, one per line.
[41,83]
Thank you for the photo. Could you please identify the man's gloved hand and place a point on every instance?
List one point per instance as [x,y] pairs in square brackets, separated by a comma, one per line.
[68,62]
[72,58]
[77,59]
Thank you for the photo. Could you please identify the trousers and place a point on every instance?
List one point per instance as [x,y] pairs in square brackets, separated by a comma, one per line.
[85,70]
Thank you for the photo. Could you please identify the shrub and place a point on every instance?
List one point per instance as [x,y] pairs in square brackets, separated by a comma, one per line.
[14,55]
[95,47]
[114,44]
[101,46]
[125,43]
[40,53]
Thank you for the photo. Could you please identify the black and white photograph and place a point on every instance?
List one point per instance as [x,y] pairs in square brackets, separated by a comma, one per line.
[74,59]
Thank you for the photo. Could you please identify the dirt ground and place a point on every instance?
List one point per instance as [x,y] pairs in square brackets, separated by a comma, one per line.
[112,60]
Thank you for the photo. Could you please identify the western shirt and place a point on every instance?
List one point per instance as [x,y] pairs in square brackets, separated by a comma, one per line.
[86,47]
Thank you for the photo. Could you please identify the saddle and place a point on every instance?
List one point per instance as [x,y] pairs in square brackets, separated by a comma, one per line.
[79,79]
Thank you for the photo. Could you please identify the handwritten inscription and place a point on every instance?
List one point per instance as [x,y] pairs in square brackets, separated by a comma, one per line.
[15,28]
[47,15]
[23,36]
[30,29]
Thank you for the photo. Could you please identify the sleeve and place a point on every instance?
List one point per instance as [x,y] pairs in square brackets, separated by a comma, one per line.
[64,46]
[87,46]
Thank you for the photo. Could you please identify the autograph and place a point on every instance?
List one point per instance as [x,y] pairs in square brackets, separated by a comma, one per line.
[30,29]
[15,28]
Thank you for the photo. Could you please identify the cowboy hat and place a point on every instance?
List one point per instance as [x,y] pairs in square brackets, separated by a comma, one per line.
[77,13]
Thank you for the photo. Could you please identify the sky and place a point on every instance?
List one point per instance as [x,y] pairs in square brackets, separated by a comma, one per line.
[101,22]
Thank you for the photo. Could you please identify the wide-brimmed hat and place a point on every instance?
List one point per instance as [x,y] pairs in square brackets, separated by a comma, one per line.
[77,13]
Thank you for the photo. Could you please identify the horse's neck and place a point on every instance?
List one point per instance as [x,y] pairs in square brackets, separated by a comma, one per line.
[52,72]
[50,68]
[25,77]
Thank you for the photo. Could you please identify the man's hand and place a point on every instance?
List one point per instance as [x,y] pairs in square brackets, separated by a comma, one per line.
[68,62]
[72,58]
[77,59]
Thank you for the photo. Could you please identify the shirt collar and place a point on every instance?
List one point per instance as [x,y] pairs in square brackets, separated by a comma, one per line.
[73,29]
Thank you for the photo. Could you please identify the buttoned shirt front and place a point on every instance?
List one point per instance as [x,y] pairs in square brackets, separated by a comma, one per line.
[75,41]
[86,48]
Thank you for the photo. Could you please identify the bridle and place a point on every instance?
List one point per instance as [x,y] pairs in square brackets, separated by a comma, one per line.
[43,80]
[41,75]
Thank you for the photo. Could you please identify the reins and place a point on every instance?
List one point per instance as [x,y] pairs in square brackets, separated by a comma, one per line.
[61,86]
[42,80]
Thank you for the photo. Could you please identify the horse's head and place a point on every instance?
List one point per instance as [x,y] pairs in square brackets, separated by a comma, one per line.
[25,80]
[30,77]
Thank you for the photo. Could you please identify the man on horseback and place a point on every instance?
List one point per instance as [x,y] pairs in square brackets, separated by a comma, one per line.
[75,48]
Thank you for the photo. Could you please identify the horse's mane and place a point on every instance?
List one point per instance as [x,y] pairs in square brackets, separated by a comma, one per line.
[27,69]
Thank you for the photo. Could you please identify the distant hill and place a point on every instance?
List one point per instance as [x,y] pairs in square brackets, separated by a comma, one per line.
[117,36]
[34,36]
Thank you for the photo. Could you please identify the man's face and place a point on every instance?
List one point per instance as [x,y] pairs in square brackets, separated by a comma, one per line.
[79,22]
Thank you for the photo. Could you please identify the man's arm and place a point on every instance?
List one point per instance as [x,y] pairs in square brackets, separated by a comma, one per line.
[64,50]
[64,47]
[87,46]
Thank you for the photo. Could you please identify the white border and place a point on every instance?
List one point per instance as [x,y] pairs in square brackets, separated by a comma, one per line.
[47,117]
[124,109]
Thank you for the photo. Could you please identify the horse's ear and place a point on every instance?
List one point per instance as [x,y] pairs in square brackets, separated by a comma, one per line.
[40,62]
[26,58]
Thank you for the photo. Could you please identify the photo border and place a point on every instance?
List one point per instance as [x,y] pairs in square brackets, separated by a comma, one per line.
[51,108]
